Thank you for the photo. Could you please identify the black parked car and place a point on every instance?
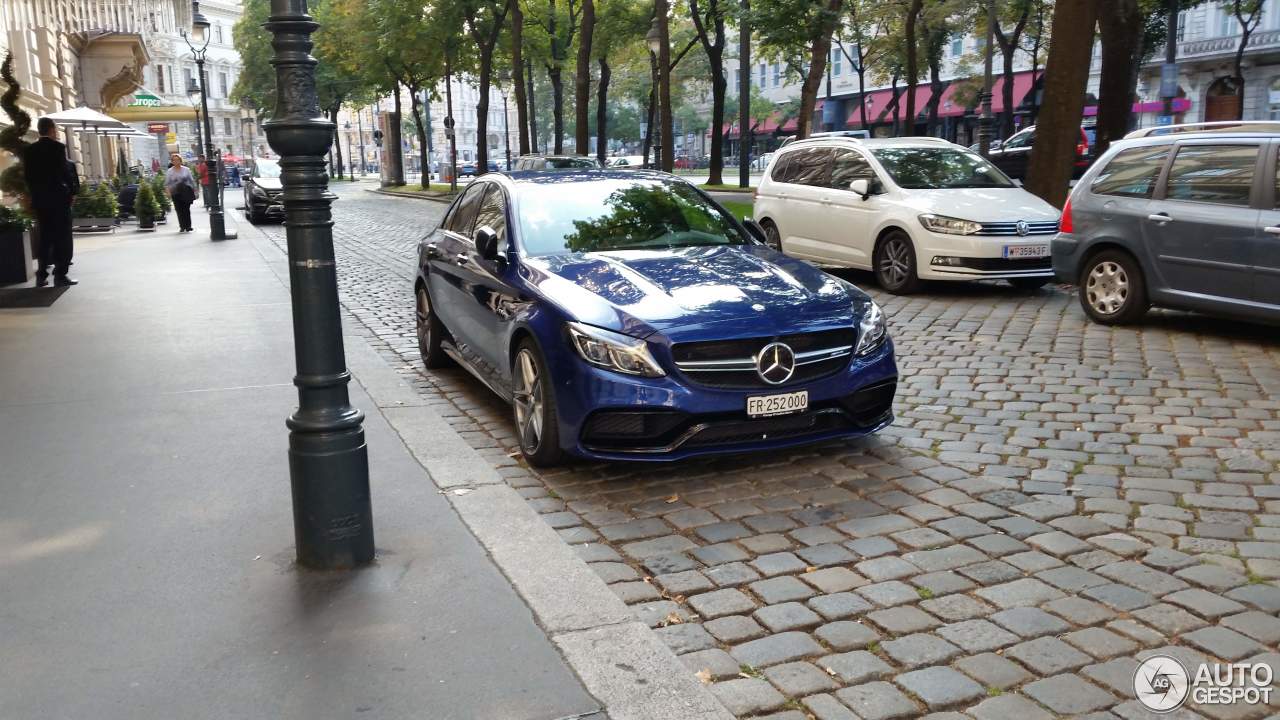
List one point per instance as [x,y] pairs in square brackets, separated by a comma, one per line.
[1013,156]
[263,193]
[468,169]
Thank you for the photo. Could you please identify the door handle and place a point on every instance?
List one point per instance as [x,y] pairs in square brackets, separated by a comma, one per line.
[432,250]
[462,258]
[1271,230]
[1159,217]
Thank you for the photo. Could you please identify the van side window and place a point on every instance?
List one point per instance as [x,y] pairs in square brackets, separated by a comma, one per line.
[810,166]
[781,167]
[1220,174]
[847,166]
[1131,173]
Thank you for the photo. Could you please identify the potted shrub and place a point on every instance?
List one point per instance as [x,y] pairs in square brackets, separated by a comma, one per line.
[15,246]
[157,187]
[95,208]
[146,207]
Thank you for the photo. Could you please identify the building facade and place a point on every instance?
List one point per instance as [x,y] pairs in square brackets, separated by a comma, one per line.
[94,53]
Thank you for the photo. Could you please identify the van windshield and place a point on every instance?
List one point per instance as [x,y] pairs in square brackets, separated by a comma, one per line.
[939,169]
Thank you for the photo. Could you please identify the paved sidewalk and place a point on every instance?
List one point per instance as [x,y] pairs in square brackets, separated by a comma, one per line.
[146,547]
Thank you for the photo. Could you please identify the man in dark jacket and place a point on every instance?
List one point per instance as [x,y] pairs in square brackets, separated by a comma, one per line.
[51,184]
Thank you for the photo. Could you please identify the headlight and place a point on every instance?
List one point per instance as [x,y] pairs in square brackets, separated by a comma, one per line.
[871,330]
[613,351]
[257,190]
[949,225]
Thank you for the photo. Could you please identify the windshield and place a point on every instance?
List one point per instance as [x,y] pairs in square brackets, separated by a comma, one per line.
[620,214]
[266,169]
[939,168]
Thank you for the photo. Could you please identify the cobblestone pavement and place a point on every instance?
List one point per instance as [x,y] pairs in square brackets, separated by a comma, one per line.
[1056,500]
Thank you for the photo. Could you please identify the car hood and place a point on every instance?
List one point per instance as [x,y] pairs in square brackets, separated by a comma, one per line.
[268,183]
[981,204]
[685,293]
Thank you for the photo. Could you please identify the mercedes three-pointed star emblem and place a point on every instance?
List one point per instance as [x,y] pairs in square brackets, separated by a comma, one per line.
[776,363]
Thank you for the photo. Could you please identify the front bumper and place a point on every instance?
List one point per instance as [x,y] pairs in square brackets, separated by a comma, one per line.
[608,416]
[978,257]
[268,206]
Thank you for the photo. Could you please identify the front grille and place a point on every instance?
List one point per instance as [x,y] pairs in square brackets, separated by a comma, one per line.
[730,364]
[1047,227]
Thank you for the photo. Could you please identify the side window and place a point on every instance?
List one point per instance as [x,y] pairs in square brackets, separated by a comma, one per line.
[1131,173]
[781,168]
[847,166]
[1022,139]
[811,166]
[1220,174]
[463,216]
[493,212]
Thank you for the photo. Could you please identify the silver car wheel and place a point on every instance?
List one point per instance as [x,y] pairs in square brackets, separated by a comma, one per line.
[772,237]
[528,401]
[895,261]
[423,315]
[1107,288]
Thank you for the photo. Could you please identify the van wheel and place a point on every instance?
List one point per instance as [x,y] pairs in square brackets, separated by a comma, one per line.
[1112,289]
[895,264]
[772,237]
[534,407]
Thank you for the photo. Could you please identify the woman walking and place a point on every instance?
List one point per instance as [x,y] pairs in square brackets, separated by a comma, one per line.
[181,186]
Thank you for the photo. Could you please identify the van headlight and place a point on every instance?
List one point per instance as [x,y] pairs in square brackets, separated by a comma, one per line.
[871,330]
[949,225]
[613,351]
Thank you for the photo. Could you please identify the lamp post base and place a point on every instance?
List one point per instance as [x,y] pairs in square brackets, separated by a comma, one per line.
[332,511]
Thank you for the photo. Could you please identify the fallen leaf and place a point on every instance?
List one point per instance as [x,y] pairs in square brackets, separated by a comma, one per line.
[462,491]
[673,499]
[674,619]
[704,675]
[810,569]
[259,557]
[830,672]
[679,599]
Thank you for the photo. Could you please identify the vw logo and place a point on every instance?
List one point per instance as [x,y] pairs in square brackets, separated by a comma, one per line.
[775,363]
[1022,227]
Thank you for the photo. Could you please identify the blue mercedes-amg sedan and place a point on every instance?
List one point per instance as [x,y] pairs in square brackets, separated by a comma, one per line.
[627,316]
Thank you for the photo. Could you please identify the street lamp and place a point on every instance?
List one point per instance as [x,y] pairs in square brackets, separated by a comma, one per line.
[653,40]
[193,89]
[200,31]
[985,119]
[328,459]
[504,76]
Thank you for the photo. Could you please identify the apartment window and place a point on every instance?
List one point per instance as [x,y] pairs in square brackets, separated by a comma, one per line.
[957,46]
[762,72]
[160,79]
[187,77]
[222,84]
[217,33]
[777,74]
[226,126]
[837,58]
[1227,24]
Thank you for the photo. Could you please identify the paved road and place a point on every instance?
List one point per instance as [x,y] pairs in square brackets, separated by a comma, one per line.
[1055,500]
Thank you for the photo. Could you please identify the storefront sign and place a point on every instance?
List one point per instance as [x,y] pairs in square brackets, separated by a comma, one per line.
[155,128]
[144,100]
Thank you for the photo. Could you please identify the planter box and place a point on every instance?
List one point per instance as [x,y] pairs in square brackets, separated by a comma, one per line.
[15,257]
[93,224]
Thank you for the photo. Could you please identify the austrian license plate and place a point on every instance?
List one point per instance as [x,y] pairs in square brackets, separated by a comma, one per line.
[784,404]
[1026,251]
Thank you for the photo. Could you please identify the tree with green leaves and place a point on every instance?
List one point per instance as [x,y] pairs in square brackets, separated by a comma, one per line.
[865,25]
[759,110]
[1248,14]
[1014,15]
[485,20]
[558,25]
[709,21]
[911,17]
[582,79]
[256,83]
[798,33]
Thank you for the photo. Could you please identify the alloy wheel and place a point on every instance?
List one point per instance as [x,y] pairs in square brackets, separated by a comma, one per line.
[772,237]
[528,401]
[895,261]
[1107,288]
[423,316]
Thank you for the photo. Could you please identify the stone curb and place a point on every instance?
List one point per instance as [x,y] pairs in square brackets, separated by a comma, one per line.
[443,198]
[622,663]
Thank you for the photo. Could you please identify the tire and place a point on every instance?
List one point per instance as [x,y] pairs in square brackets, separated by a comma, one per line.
[431,332]
[533,406]
[894,263]
[772,237]
[1112,288]
[1029,284]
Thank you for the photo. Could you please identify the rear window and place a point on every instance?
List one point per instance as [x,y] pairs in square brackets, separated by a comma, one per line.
[1131,173]
[1219,174]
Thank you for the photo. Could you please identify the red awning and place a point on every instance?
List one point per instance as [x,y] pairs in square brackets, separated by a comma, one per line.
[949,106]
[765,128]
[1021,85]
[880,105]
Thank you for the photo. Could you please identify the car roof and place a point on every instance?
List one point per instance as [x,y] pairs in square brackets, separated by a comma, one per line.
[1220,129]
[869,142]
[577,175]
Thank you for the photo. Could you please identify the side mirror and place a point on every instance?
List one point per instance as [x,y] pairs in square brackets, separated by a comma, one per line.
[862,187]
[754,229]
[486,239]
[995,145]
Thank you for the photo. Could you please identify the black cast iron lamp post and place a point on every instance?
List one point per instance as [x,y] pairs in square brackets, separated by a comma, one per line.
[200,31]
[328,461]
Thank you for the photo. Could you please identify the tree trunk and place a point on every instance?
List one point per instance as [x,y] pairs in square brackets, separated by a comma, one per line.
[582,81]
[1121,29]
[719,86]
[913,64]
[557,108]
[602,112]
[862,96]
[1066,73]
[896,103]
[392,142]
[482,113]
[935,96]
[517,79]
[1008,48]
[818,56]
[533,109]
[1245,32]
[337,141]
[424,157]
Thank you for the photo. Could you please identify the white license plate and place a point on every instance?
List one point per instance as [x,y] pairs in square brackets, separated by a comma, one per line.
[784,404]
[1026,251]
